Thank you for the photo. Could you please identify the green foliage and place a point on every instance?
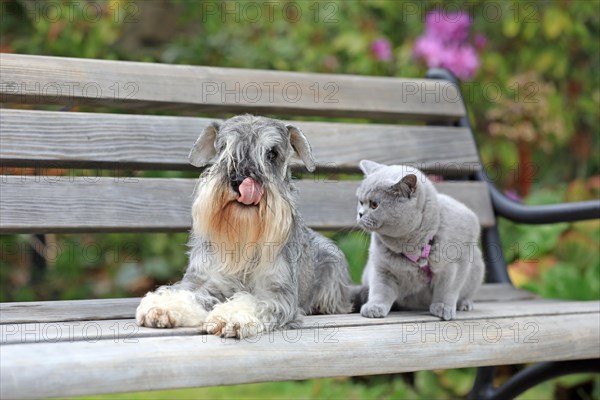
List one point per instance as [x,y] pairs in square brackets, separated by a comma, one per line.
[75,29]
[530,242]
[89,266]
[355,246]
[566,281]
[542,55]
[558,260]
[339,388]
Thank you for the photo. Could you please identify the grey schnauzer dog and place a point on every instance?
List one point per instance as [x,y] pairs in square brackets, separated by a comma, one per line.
[254,266]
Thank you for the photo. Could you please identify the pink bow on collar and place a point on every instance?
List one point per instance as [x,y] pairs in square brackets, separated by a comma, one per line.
[422,260]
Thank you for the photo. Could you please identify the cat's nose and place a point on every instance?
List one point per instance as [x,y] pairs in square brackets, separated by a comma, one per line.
[360,215]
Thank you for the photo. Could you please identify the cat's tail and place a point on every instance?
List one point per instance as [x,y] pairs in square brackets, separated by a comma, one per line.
[359,295]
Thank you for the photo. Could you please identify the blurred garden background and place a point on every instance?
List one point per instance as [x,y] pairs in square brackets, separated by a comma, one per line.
[530,75]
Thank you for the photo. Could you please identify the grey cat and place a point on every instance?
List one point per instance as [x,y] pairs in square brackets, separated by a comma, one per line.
[423,252]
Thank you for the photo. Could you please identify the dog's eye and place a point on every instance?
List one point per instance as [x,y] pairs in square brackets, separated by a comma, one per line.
[271,154]
[373,205]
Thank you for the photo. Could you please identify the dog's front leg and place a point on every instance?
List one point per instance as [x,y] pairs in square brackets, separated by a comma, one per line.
[181,304]
[272,304]
[238,317]
[245,315]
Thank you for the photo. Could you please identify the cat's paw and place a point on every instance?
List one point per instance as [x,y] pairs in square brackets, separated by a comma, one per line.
[443,311]
[374,310]
[465,305]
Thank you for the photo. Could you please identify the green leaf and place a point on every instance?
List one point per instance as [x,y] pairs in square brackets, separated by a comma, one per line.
[428,385]
[545,61]
[352,42]
[564,281]
[555,22]
[510,27]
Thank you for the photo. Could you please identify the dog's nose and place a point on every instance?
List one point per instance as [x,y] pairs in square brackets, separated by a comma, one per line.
[236,182]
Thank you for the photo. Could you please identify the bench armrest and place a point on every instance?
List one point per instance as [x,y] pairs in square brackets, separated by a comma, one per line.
[542,214]
[507,208]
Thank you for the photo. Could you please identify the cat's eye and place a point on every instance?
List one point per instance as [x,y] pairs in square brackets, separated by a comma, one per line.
[361,203]
[271,154]
[373,205]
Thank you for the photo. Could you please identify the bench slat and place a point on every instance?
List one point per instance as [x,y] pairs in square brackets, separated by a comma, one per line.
[31,204]
[110,309]
[88,140]
[41,370]
[127,329]
[41,80]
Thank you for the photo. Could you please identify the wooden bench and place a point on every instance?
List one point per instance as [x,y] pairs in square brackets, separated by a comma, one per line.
[64,348]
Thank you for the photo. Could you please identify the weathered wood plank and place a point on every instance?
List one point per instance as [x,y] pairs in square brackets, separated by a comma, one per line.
[88,140]
[494,292]
[67,310]
[98,204]
[107,309]
[41,370]
[72,81]
[127,329]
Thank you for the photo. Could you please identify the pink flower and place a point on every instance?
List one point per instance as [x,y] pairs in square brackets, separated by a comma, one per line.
[480,41]
[449,27]
[462,61]
[431,50]
[382,49]
[445,43]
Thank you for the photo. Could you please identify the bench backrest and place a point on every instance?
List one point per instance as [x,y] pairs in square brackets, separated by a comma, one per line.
[91,143]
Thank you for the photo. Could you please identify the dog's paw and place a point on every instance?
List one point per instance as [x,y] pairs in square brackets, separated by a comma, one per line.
[443,311]
[374,310]
[169,309]
[465,305]
[150,313]
[157,318]
[235,318]
[238,325]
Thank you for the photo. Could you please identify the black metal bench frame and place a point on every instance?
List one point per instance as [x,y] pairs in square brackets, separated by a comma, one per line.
[497,272]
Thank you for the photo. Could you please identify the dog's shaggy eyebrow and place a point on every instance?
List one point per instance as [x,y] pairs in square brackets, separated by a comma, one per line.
[270,137]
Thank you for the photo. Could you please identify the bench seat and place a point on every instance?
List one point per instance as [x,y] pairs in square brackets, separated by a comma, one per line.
[69,348]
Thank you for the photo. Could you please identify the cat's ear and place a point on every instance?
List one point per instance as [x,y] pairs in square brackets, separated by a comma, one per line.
[368,167]
[407,185]
[204,149]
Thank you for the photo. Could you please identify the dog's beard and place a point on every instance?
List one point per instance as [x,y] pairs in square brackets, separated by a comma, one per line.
[243,238]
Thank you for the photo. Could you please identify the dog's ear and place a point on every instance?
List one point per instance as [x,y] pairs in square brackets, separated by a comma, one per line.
[204,149]
[301,147]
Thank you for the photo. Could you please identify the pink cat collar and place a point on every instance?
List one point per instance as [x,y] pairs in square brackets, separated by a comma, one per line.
[422,260]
